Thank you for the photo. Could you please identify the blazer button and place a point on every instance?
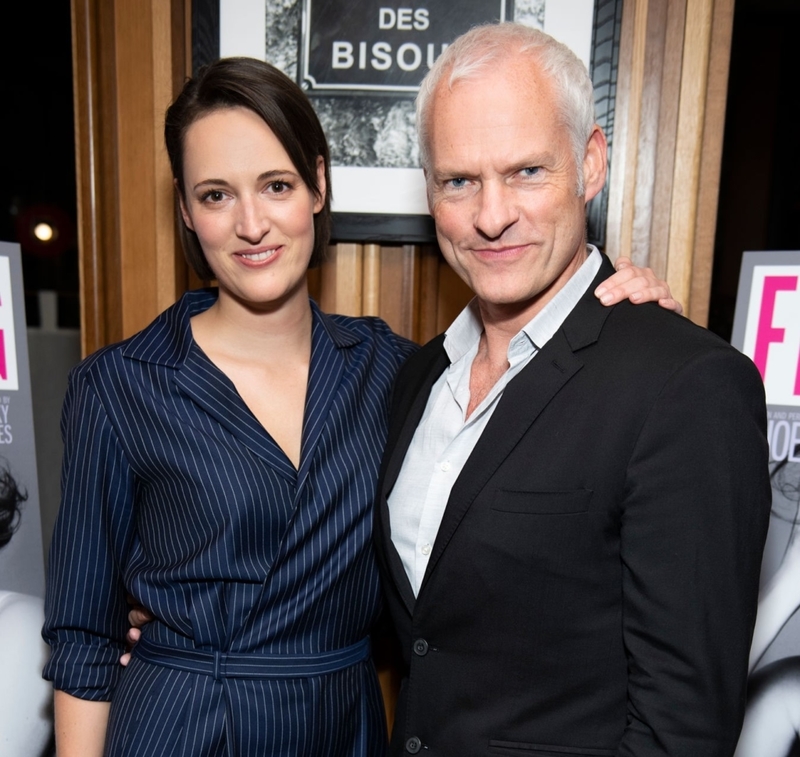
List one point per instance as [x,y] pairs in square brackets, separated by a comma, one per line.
[421,647]
[413,745]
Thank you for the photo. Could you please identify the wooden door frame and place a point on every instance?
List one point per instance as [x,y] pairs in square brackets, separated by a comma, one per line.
[130,57]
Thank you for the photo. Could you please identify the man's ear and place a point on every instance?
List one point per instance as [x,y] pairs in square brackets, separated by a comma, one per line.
[595,163]
[184,212]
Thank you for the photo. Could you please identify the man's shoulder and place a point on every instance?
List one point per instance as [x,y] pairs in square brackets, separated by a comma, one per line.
[425,358]
[650,321]
[650,336]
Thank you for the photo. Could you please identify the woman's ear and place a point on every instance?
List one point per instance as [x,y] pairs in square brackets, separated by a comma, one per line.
[187,219]
[322,186]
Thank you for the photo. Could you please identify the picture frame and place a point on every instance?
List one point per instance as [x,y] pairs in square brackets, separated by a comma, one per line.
[364,98]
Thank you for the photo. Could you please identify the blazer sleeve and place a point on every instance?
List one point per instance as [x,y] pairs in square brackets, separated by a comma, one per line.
[693,525]
[85,605]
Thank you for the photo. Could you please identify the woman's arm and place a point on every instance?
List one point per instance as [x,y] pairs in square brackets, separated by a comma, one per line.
[637,285]
[772,718]
[80,726]
[85,608]
[779,600]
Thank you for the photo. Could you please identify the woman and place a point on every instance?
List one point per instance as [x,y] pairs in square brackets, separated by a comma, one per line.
[24,697]
[772,719]
[220,465]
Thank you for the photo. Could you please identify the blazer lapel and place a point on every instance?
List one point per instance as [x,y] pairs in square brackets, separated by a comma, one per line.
[523,400]
[409,405]
[407,410]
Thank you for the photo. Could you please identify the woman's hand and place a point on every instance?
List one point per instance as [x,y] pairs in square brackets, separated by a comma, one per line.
[637,285]
[137,617]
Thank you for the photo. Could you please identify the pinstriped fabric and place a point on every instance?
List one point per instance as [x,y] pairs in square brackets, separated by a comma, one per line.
[174,492]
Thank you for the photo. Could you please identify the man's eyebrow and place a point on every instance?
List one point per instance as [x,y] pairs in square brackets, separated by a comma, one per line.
[537,160]
[445,175]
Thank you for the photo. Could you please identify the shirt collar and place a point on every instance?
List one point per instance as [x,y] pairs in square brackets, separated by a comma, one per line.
[168,339]
[465,332]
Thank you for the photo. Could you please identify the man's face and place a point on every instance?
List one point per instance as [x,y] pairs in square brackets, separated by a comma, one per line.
[502,186]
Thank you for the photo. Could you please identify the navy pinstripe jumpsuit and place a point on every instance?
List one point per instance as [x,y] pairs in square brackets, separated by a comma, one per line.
[261,577]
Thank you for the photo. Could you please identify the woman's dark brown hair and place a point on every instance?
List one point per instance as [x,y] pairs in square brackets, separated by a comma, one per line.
[11,496]
[270,94]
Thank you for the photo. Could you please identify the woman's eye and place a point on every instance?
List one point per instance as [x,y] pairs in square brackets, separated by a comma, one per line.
[213,195]
[277,187]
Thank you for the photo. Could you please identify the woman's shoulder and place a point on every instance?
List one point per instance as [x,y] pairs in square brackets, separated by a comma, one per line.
[372,329]
[165,340]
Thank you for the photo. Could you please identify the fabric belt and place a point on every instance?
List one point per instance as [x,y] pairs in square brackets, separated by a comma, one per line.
[251,664]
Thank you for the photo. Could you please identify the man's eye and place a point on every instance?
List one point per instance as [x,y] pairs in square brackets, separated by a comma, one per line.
[531,171]
[458,183]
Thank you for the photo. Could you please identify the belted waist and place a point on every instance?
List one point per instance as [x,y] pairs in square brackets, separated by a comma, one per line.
[252,664]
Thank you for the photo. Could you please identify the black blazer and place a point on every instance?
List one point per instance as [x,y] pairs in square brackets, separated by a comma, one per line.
[592,588]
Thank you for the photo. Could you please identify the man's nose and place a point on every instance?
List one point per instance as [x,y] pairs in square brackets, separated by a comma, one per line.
[496,210]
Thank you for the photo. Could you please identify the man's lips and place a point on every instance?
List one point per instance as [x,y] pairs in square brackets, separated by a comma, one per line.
[506,251]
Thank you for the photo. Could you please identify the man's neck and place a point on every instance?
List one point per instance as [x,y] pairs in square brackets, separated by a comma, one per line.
[487,369]
[502,322]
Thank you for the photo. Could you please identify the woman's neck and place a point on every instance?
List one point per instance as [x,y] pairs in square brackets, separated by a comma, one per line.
[256,333]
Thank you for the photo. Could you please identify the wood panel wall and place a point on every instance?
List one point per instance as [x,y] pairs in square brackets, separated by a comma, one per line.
[131,56]
[409,286]
[664,178]
[670,115]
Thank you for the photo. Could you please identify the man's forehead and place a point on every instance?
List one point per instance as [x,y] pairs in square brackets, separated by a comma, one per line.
[508,64]
[501,102]
[495,90]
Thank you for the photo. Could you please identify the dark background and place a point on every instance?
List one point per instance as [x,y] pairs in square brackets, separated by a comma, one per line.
[759,206]
[759,201]
[37,159]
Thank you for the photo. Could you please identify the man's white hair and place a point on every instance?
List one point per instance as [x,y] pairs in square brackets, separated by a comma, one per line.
[474,52]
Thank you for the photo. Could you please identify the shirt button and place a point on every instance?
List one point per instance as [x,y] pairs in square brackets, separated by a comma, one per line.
[426,549]
[421,647]
[413,745]
[445,466]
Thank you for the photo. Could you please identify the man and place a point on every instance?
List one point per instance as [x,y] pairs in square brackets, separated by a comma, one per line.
[574,499]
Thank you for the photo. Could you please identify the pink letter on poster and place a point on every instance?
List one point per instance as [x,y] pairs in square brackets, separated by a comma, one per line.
[766,334]
[3,370]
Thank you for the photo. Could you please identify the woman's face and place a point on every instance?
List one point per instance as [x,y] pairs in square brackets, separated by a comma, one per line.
[252,213]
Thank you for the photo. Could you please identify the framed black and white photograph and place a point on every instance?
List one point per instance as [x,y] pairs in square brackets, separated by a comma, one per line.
[361,62]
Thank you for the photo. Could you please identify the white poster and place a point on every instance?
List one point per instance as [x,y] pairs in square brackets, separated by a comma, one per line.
[767,329]
[25,699]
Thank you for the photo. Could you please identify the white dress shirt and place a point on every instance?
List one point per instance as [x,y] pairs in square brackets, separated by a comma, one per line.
[445,437]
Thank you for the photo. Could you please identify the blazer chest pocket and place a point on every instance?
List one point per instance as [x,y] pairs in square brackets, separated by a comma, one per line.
[516,749]
[542,503]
